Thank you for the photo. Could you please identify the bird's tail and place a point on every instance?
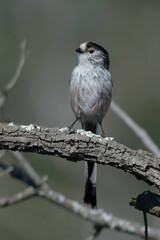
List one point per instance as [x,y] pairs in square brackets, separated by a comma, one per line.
[90,172]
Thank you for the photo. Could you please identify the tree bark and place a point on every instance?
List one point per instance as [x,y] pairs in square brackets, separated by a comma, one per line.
[78,145]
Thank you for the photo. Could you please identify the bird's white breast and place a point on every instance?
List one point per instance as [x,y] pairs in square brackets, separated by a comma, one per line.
[90,82]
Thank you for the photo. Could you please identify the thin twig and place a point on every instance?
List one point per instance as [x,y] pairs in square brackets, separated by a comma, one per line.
[95,232]
[20,65]
[12,82]
[6,171]
[146,225]
[138,130]
[18,197]
[2,153]
[97,217]
[27,167]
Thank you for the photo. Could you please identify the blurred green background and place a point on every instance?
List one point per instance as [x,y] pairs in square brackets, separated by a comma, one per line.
[130,31]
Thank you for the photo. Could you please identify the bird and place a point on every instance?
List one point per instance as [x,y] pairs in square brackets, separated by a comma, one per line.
[91,94]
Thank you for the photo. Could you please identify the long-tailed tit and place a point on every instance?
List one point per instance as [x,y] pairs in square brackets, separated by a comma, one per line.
[91,94]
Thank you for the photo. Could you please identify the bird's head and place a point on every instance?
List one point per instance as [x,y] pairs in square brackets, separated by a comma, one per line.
[93,53]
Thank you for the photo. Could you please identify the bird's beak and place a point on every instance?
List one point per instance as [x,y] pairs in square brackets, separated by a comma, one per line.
[79,50]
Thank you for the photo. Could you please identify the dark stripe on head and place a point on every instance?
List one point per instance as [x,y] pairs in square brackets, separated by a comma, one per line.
[96,46]
[103,50]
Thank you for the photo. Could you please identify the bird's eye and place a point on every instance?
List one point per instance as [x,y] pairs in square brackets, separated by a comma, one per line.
[91,50]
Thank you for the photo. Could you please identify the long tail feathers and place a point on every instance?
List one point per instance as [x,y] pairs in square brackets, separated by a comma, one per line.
[90,171]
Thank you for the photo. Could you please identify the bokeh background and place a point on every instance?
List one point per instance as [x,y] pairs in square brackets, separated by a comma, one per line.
[130,31]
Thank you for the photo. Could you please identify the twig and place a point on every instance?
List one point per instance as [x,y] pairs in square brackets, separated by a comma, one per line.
[10,85]
[17,172]
[18,197]
[95,232]
[97,217]
[6,171]
[32,174]
[138,130]
[146,225]
[2,153]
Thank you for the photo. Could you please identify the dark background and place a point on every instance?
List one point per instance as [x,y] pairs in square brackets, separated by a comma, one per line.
[130,31]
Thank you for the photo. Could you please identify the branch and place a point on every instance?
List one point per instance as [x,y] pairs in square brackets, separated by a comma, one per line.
[18,197]
[10,85]
[97,217]
[32,174]
[6,171]
[2,153]
[80,145]
[138,130]
[95,232]
[145,225]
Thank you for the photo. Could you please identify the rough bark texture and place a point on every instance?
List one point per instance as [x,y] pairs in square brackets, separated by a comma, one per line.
[76,145]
